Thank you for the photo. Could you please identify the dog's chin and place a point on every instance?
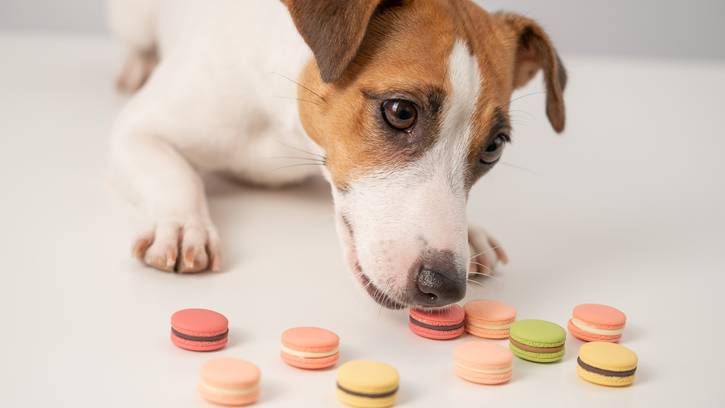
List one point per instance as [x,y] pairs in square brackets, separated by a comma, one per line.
[378,295]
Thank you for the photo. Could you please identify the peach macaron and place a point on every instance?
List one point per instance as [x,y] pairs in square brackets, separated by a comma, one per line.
[594,322]
[199,330]
[437,324]
[481,362]
[310,348]
[230,381]
[489,319]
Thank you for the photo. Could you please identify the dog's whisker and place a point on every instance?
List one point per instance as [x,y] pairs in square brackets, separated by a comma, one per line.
[526,96]
[299,100]
[308,89]
[483,274]
[309,159]
[297,165]
[322,156]
[474,282]
[493,248]
[482,265]
[515,166]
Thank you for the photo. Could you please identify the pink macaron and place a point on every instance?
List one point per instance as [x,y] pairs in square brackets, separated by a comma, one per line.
[438,324]
[489,319]
[199,330]
[594,322]
[481,362]
[230,381]
[311,348]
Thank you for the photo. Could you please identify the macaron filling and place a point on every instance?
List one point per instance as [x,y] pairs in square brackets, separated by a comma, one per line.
[488,371]
[366,394]
[534,349]
[308,354]
[189,337]
[230,391]
[437,327]
[490,326]
[606,373]
[595,330]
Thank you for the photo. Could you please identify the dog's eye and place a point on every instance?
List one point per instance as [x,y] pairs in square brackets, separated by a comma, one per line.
[494,149]
[399,113]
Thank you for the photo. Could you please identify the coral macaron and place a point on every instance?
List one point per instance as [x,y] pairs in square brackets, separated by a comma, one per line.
[199,330]
[607,364]
[592,322]
[311,348]
[489,319]
[230,381]
[438,324]
[483,363]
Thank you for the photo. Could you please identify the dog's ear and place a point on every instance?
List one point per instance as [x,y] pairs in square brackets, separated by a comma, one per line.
[333,29]
[534,51]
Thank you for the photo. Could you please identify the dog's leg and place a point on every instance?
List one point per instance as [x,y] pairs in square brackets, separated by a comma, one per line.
[136,70]
[486,252]
[159,179]
[134,23]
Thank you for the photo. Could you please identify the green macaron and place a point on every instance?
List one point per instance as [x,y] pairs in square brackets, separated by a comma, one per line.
[537,340]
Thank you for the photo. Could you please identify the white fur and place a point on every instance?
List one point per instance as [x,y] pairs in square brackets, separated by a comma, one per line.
[219,100]
[397,214]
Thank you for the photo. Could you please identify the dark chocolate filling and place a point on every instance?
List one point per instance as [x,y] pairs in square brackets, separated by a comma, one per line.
[607,373]
[437,328]
[199,338]
[534,349]
[366,395]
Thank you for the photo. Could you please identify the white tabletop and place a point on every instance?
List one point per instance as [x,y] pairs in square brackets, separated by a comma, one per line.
[626,208]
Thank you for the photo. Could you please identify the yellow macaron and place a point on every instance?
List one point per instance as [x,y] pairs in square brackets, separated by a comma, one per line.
[367,384]
[607,364]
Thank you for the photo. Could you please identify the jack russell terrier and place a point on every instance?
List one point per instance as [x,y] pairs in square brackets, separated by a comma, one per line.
[403,104]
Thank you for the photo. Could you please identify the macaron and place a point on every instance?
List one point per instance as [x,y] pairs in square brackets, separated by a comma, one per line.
[199,330]
[483,363]
[489,319]
[229,381]
[367,384]
[311,348]
[537,340]
[592,322]
[438,324]
[606,363]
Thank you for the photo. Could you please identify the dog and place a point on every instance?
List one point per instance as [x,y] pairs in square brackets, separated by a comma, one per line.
[402,103]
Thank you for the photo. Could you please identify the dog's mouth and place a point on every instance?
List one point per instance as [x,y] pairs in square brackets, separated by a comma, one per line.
[378,295]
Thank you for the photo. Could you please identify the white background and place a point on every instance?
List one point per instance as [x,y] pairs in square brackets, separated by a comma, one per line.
[641,28]
[626,208]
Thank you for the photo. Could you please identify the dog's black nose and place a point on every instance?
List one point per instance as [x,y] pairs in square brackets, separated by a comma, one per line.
[439,281]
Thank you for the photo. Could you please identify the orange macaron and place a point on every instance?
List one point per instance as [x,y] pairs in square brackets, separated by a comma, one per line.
[310,348]
[230,381]
[595,322]
[482,362]
[489,319]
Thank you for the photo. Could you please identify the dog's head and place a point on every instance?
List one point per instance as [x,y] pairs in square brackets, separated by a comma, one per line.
[409,100]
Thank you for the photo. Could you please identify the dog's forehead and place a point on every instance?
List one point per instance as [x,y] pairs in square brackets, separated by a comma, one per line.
[451,46]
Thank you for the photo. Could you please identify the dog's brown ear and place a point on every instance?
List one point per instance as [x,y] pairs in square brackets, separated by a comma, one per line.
[535,52]
[333,29]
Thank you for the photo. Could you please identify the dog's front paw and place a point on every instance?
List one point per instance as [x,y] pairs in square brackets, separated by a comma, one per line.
[172,247]
[486,252]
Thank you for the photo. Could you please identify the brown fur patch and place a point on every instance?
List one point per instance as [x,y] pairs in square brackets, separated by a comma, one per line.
[404,51]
